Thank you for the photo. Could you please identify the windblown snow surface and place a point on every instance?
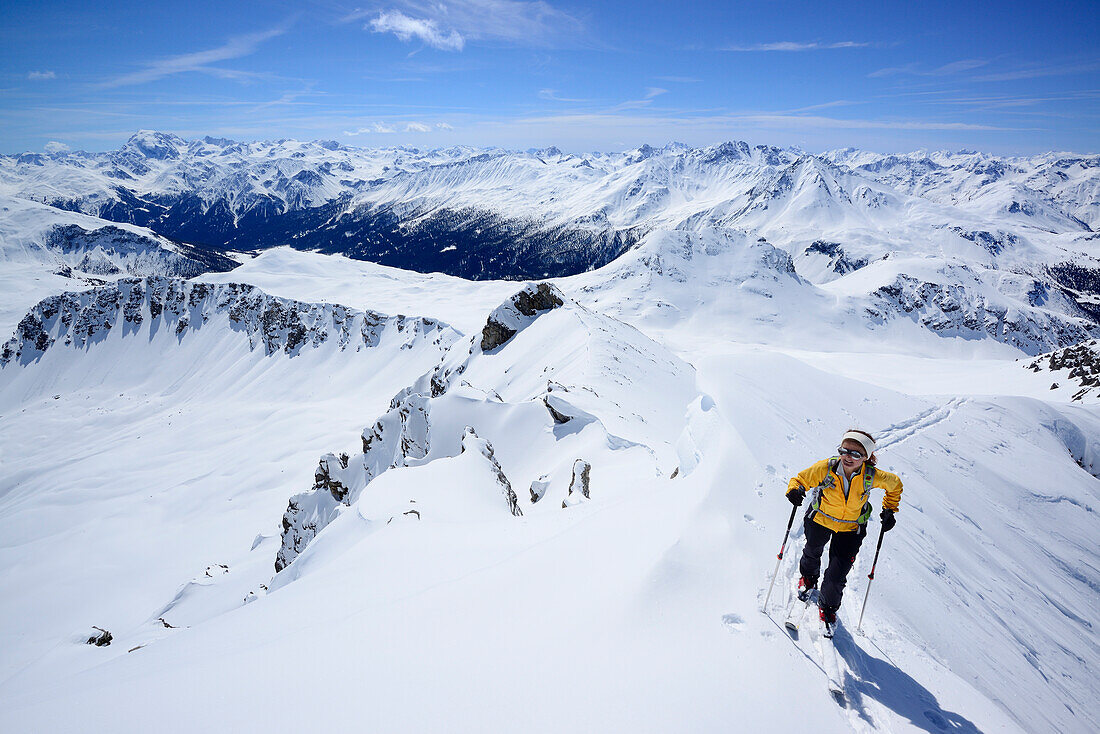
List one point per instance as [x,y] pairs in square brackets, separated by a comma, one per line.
[544,507]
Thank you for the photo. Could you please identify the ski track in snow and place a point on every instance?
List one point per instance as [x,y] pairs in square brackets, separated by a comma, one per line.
[898,432]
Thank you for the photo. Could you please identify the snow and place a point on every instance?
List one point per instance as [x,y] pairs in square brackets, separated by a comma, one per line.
[145,477]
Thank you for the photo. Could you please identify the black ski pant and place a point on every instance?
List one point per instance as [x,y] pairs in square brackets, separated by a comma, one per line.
[842,554]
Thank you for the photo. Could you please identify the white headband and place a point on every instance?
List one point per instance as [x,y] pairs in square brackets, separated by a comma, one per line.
[865,441]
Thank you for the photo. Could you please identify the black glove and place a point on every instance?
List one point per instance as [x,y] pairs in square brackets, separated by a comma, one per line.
[887,517]
[796,496]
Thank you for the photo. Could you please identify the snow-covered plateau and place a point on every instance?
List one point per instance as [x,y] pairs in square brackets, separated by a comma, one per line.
[533,479]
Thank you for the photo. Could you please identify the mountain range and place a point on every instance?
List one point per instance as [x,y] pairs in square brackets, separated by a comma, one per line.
[499,440]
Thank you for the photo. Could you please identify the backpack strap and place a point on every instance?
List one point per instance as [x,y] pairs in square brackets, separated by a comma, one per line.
[829,481]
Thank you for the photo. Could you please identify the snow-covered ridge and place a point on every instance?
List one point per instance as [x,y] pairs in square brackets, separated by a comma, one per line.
[110,250]
[729,283]
[80,320]
[32,232]
[1062,189]
[562,380]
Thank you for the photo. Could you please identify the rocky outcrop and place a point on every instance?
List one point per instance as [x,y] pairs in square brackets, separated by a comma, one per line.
[306,515]
[505,321]
[471,441]
[517,312]
[578,485]
[100,638]
[951,309]
[327,478]
[404,435]
[398,438]
[839,262]
[992,242]
[1081,362]
[539,487]
[181,307]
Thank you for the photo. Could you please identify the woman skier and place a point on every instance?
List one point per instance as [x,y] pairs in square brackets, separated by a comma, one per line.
[840,506]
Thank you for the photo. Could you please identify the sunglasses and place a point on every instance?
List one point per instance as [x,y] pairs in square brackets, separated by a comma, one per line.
[857,455]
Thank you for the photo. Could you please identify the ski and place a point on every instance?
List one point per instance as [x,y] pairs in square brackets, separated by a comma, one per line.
[800,602]
[829,661]
[796,613]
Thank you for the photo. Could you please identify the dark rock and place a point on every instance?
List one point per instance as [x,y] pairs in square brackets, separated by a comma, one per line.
[1081,360]
[506,320]
[103,639]
[470,439]
[539,487]
[556,415]
[839,262]
[578,485]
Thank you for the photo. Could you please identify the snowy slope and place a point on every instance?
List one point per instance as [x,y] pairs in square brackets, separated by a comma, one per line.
[553,505]
[179,420]
[45,250]
[31,232]
[463,603]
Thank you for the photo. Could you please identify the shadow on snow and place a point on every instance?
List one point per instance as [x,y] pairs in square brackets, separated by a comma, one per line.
[896,690]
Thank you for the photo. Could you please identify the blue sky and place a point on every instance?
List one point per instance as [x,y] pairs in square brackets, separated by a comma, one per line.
[1006,77]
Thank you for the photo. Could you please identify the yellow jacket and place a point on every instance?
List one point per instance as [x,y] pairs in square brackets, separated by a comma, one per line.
[835,511]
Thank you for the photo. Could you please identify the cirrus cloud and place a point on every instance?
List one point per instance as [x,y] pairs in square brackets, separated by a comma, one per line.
[201,61]
[407,28]
[796,46]
[450,26]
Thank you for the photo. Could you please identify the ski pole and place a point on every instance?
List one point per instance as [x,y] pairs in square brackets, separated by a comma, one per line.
[782,548]
[870,578]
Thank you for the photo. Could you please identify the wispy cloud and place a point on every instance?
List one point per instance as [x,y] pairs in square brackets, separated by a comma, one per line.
[773,120]
[914,69]
[39,76]
[1034,72]
[55,147]
[200,61]
[287,98]
[406,29]
[553,96]
[814,121]
[651,92]
[956,67]
[796,46]
[449,26]
[417,127]
[825,105]
[1014,104]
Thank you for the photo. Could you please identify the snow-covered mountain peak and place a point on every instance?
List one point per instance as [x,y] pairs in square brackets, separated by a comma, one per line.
[155,145]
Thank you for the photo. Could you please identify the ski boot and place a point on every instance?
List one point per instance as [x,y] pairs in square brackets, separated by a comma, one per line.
[828,619]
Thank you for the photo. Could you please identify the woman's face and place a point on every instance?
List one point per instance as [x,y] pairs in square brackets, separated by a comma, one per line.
[851,464]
